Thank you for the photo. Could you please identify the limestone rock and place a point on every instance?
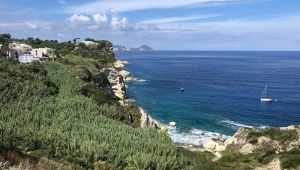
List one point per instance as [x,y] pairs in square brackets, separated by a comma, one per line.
[147,121]
[220,147]
[120,64]
[247,148]
[238,138]
[117,82]
[172,124]
[274,165]
[210,145]
[263,141]
[124,73]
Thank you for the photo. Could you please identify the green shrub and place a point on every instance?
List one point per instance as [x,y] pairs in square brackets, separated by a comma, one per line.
[274,134]
[235,160]
[290,159]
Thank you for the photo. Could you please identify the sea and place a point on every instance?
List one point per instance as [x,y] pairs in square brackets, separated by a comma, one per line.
[222,90]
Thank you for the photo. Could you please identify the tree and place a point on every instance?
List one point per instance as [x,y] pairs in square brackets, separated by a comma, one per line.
[75,40]
[89,39]
[4,42]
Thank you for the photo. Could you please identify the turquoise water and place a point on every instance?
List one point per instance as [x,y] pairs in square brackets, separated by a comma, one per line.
[222,90]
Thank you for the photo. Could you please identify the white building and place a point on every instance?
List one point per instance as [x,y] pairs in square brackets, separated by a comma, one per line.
[27,58]
[15,50]
[25,54]
[42,52]
[89,43]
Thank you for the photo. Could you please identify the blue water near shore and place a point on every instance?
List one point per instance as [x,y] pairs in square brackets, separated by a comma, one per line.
[222,90]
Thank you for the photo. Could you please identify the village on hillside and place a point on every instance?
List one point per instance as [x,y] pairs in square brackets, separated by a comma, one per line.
[26,54]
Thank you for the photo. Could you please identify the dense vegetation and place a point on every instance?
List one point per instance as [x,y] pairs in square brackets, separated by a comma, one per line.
[51,110]
[290,159]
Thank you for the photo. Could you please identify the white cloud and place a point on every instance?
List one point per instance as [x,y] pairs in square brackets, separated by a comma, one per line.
[79,19]
[282,26]
[176,19]
[119,23]
[32,25]
[61,35]
[132,5]
[98,18]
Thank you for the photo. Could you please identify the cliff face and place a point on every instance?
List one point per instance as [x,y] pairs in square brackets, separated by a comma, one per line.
[117,78]
[147,121]
[116,81]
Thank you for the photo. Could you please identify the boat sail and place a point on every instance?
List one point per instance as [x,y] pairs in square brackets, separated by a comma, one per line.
[264,97]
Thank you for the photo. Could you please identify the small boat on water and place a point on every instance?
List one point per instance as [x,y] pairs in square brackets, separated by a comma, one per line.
[182,89]
[264,98]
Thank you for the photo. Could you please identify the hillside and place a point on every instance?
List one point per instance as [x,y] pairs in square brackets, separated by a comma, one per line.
[64,114]
[60,115]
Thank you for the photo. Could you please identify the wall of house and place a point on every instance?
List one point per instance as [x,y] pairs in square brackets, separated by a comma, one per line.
[37,52]
[27,58]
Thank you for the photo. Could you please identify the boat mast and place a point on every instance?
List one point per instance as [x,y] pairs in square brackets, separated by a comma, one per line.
[264,94]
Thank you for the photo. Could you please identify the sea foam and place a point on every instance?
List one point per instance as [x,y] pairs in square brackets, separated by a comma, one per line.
[236,124]
[196,137]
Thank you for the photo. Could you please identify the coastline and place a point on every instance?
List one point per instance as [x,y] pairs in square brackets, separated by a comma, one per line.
[118,77]
[214,142]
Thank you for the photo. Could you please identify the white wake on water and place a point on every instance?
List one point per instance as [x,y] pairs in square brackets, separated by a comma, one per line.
[236,124]
[196,137]
[141,80]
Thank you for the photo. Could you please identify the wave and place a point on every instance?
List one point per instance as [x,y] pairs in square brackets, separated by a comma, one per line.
[230,122]
[141,80]
[196,137]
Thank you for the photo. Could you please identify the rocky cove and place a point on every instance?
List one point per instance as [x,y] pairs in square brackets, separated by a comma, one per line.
[273,143]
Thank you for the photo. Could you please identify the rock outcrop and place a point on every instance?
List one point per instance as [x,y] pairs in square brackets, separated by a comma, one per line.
[147,121]
[120,64]
[272,142]
[117,82]
[273,165]
[117,78]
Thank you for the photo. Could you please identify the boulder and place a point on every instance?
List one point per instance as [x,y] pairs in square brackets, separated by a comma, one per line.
[120,64]
[124,73]
[273,165]
[147,121]
[210,145]
[263,141]
[238,138]
[247,148]
[231,140]
[172,124]
[219,147]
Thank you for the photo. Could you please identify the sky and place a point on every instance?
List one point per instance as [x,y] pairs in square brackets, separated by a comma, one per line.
[263,25]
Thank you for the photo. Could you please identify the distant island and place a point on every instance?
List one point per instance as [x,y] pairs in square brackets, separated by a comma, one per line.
[123,48]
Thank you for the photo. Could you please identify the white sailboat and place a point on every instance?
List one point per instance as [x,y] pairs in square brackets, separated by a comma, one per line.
[264,98]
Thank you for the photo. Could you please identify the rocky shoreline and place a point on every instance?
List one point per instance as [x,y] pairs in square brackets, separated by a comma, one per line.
[238,143]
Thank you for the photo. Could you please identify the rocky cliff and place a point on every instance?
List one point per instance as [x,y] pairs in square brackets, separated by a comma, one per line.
[117,78]
[279,146]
